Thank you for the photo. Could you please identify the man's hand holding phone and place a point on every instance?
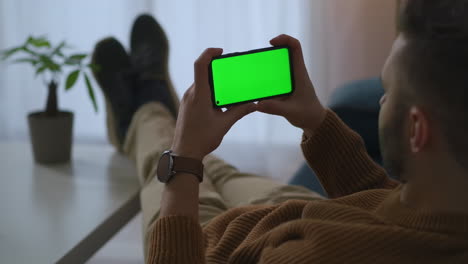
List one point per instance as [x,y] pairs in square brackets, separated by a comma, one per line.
[201,127]
[302,108]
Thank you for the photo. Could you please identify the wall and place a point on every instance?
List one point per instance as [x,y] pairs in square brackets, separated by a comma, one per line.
[359,37]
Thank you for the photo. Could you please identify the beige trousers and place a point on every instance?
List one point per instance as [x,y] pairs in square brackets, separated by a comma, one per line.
[223,186]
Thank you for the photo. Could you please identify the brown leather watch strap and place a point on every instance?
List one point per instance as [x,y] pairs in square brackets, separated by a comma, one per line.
[188,165]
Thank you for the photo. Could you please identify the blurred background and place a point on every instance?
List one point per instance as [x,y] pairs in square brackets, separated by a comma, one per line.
[342,41]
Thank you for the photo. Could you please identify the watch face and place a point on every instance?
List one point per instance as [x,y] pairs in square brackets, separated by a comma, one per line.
[165,167]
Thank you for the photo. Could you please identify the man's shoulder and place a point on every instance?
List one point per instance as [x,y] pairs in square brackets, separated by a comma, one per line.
[364,202]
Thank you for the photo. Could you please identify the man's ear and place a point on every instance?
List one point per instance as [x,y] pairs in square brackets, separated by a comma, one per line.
[420,130]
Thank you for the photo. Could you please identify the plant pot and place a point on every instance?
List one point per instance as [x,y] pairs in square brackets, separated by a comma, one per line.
[51,136]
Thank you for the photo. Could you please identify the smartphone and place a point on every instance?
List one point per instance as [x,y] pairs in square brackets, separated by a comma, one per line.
[251,76]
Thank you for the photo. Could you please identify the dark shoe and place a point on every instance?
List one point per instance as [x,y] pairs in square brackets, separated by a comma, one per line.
[149,56]
[116,83]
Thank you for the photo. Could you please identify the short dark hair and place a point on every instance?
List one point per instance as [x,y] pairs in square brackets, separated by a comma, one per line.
[434,65]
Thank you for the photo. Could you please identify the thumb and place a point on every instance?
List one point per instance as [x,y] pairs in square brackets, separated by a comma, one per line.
[235,113]
[272,106]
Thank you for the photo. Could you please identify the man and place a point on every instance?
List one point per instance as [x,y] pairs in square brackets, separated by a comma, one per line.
[231,217]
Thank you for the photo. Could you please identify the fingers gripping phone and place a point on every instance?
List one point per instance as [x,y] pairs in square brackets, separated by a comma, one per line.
[251,76]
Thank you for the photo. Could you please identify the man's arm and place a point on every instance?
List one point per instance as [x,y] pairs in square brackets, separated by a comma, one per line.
[176,237]
[339,158]
[200,128]
[180,196]
[337,151]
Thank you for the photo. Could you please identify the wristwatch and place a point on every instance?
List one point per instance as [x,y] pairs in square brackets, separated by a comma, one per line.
[170,164]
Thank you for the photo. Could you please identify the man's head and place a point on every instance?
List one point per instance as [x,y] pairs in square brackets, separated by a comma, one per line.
[425,108]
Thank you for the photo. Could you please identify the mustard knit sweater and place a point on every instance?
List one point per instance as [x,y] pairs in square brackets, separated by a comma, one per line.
[364,223]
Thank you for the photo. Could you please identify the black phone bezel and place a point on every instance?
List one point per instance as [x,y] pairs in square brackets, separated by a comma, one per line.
[210,73]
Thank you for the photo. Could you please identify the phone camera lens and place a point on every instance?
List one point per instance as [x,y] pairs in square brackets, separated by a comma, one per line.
[217,102]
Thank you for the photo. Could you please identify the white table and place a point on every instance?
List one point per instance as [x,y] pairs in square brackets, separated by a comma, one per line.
[63,213]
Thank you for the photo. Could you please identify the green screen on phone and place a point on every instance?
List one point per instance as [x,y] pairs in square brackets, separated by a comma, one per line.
[251,76]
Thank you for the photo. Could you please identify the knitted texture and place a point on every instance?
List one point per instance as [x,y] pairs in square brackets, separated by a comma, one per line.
[365,223]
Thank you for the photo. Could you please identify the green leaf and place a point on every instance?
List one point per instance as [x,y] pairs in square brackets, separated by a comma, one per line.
[49,63]
[55,68]
[45,59]
[26,60]
[58,49]
[6,54]
[41,69]
[75,59]
[71,79]
[78,56]
[39,42]
[33,53]
[91,92]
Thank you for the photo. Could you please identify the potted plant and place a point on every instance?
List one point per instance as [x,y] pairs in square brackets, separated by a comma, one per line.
[51,130]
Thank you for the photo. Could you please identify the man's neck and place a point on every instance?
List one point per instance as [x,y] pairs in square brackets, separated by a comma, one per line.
[437,190]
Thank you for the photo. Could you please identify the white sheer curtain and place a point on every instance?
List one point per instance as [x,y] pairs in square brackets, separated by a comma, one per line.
[342,41]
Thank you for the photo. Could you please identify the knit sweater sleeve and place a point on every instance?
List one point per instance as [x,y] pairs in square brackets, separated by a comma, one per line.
[338,156]
[175,240]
